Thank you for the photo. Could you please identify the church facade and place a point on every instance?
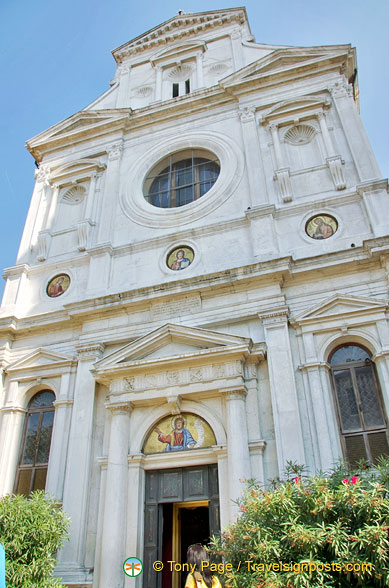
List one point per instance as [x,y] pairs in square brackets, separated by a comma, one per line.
[200,294]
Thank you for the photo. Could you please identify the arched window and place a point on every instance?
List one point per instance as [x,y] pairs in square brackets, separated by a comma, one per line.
[360,410]
[35,447]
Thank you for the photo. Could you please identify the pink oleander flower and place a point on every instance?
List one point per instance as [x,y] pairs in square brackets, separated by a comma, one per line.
[353,480]
[296,480]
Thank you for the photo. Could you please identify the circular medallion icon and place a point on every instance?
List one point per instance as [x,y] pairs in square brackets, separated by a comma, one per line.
[58,285]
[180,258]
[321,227]
[132,567]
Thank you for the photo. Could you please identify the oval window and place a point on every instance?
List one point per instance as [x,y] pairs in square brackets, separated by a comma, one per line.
[181,178]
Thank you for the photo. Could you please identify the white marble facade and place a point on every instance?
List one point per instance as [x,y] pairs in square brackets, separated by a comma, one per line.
[240,337]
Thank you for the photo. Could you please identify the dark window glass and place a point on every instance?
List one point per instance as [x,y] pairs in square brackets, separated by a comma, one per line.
[187,86]
[175,90]
[349,353]
[182,182]
[35,448]
[359,404]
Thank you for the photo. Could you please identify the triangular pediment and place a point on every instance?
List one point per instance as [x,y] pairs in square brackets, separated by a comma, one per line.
[340,305]
[171,341]
[285,60]
[39,359]
[81,122]
[181,25]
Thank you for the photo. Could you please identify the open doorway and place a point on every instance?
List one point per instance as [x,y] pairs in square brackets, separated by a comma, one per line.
[181,508]
[184,523]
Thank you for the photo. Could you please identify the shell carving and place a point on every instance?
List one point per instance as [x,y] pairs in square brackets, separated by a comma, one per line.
[144,91]
[300,135]
[74,195]
[218,69]
[180,73]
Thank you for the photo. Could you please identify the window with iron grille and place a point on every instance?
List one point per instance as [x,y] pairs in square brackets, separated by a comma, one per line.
[182,178]
[359,405]
[36,441]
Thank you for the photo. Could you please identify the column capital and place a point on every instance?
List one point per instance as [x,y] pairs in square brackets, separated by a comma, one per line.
[89,351]
[235,394]
[276,316]
[115,151]
[119,408]
[247,113]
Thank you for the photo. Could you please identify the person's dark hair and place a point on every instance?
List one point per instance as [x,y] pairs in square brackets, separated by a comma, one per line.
[195,555]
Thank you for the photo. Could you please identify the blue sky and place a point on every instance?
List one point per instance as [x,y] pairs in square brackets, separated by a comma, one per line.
[55,58]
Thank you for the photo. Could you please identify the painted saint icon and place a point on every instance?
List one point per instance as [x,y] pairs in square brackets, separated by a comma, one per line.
[180,258]
[321,227]
[181,432]
[58,285]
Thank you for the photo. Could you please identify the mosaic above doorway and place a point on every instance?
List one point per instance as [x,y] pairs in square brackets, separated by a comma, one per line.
[182,432]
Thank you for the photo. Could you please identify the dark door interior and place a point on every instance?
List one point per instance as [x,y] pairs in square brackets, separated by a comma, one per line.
[166,494]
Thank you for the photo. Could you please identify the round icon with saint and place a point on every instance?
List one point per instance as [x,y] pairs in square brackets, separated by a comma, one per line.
[58,285]
[322,226]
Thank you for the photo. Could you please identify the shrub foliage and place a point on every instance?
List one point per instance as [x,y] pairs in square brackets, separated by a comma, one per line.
[31,531]
[327,520]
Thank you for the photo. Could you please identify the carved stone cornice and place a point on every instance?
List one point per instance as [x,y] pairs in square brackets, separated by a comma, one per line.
[89,351]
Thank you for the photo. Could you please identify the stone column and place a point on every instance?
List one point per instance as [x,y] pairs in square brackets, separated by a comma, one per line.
[333,161]
[123,97]
[236,42]
[76,489]
[223,476]
[282,173]
[59,440]
[199,70]
[32,226]
[115,508]
[255,172]
[287,422]
[10,437]
[239,470]
[110,196]
[358,142]
[158,83]
[324,427]
[135,513]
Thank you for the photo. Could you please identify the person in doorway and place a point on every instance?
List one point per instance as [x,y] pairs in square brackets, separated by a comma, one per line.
[202,576]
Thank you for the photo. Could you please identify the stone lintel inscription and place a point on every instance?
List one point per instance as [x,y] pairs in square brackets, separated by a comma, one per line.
[174,308]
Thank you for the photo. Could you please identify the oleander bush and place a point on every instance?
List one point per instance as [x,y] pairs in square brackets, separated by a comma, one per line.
[324,521]
[31,531]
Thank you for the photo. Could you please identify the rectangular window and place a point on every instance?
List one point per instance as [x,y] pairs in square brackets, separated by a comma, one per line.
[187,86]
[175,90]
